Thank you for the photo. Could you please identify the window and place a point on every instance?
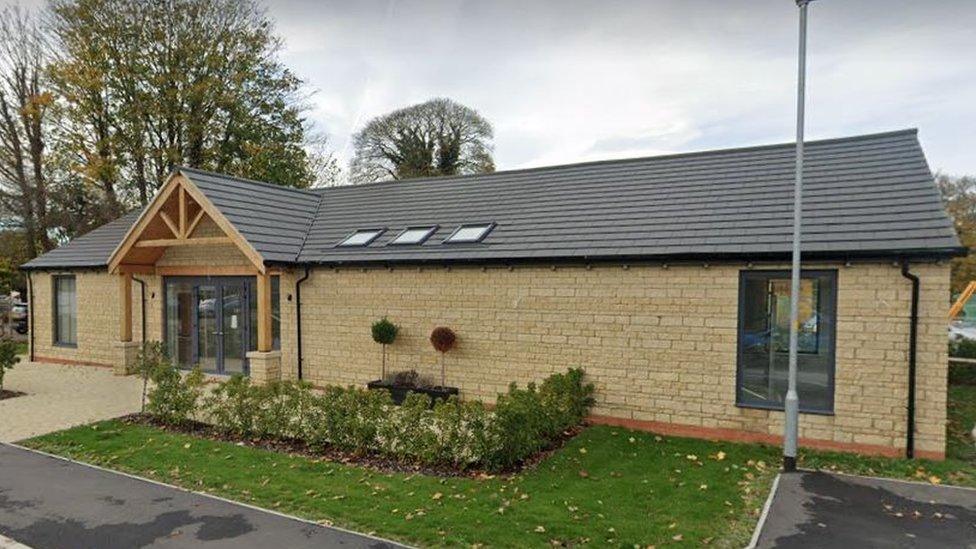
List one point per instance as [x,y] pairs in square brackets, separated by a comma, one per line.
[764,333]
[65,311]
[361,237]
[475,232]
[414,235]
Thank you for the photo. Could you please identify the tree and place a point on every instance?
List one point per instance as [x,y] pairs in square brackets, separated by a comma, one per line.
[24,125]
[435,138]
[959,198]
[143,87]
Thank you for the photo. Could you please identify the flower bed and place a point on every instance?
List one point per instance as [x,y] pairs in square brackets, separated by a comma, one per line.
[456,434]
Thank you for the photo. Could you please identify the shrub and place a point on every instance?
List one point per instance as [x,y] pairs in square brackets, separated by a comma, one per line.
[409,378]
[8,358]
[454,433]
[384,332]
[962,348]
[152,357]
[443,339]
[283,409]
[232,405]
[348,419]
[174,398]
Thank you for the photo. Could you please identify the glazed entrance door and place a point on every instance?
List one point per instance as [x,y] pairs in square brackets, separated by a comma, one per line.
[216,310]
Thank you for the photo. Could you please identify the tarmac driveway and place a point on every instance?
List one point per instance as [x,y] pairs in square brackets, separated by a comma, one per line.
[814,509]
[46,502]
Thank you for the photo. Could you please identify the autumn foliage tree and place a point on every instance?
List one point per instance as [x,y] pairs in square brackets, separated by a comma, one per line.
[959,197]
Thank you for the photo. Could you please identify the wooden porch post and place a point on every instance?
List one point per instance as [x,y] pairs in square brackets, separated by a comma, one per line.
[264,312]
[125,306]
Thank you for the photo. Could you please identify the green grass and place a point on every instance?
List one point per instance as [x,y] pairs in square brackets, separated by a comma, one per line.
[606,486]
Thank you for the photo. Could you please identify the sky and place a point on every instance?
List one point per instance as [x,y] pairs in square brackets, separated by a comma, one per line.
[567,81]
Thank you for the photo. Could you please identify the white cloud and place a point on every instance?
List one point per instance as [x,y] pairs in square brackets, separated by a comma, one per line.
[573,80]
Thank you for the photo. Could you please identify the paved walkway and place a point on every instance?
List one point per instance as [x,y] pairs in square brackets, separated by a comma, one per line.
[813,509]
[46,502]
[61,396]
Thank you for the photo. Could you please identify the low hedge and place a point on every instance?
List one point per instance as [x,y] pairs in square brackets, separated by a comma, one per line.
[453,433]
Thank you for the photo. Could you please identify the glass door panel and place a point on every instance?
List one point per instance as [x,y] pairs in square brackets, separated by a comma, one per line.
[179,322]
[208,333]
[233,320]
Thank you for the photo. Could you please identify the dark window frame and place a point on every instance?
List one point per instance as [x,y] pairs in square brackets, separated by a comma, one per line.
[490,226]
[832,372]
[55,324]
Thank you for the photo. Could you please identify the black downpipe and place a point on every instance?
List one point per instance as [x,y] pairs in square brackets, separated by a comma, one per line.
[142,286]
[912,346]
[298,317]
[30,311]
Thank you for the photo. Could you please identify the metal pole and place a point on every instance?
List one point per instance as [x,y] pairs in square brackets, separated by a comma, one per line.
[792,404]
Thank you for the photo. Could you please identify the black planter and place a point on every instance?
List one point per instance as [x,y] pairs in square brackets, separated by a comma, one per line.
[399,393]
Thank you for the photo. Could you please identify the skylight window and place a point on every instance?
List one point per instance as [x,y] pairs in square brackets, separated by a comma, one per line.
[362,237]
[475,232]
[414,235]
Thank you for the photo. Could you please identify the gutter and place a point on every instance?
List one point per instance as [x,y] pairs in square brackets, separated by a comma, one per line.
[912,351]
[298,317]
[142,285]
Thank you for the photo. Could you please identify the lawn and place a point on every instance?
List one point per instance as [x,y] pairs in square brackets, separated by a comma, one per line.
[606,486]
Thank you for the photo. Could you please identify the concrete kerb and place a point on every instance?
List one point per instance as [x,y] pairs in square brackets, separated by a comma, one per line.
[765,512]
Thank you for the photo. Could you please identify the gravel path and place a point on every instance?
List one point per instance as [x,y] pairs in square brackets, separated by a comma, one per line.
[60,396]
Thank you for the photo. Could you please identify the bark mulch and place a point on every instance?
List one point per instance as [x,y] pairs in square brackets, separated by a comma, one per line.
[376,462]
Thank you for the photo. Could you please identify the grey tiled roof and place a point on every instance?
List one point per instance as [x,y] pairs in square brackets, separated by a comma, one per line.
[90,250]
[274,219]
[869,195]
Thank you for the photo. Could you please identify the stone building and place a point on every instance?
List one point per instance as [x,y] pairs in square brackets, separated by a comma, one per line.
[666,278]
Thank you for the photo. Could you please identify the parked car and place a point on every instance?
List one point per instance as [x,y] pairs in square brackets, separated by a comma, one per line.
[18,311]
[20,326]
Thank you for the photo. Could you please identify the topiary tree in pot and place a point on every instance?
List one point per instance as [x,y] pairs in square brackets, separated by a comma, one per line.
[384,333]
[443,339]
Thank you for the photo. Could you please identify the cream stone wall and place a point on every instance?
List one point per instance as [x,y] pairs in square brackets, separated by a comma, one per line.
[660,344]
[98,316]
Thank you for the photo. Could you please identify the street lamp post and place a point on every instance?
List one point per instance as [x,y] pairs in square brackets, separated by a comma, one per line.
[792,404]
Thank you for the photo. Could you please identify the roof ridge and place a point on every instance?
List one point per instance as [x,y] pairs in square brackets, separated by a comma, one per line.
[308,229]
[246,180]
[668,156]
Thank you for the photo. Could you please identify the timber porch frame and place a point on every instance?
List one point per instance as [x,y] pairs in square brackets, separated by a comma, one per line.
[170,221]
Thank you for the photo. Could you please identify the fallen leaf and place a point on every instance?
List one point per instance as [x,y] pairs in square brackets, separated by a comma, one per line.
[584,474]
[720,456]
[677,537]
[438,495]
[540,529]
